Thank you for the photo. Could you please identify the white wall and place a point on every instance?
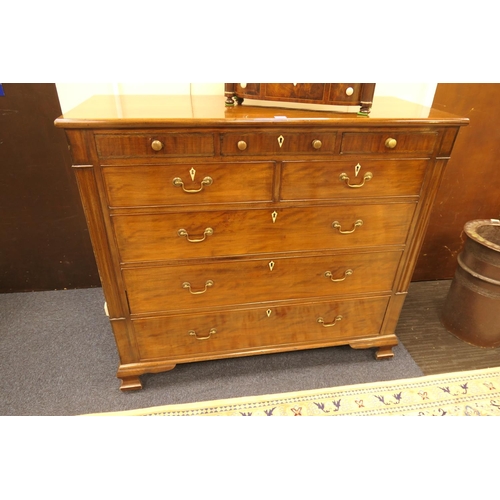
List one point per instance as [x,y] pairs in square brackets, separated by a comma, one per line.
[72,94]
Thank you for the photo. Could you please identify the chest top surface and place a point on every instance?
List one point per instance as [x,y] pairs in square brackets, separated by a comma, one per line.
[132,111]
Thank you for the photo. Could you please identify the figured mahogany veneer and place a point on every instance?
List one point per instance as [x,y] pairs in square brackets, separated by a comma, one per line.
[225,232]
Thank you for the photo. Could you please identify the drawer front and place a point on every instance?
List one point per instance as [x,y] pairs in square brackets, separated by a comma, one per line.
[307,91]
[141,145]
[177,288]
[321,180]
[185,184]
[390,142]
[344,93]
[277,143]
[249,89]
[202,335]
[238,232]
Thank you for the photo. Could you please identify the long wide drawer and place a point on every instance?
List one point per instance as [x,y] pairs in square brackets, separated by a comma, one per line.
[185,184]
[187,287]
[308,325]
[239,232]
[323,180]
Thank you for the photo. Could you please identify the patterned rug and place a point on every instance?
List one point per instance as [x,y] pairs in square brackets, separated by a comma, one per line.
[472,393]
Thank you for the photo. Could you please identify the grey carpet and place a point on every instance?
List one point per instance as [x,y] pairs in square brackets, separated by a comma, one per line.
[58,357]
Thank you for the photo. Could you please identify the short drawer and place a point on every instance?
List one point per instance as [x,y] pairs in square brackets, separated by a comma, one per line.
[185,235]
[308,325]
[188,287]
[154,144]
[323,180]
[277,143]
[185,184]
[344,93]
[390,142]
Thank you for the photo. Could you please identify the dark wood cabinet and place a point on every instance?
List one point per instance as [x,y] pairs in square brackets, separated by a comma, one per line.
[230,231]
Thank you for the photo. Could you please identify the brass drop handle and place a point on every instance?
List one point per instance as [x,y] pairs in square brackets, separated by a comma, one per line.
[177,182]
[208,284]
[327,325]
[347,272]
[316,144]
[391,143]
[208,232]
[210,333]
[157,145]
[336,225]
[242,145]
[344,177]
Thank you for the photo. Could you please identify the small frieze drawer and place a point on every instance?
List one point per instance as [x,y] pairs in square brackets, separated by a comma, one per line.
[277,143]
[390,142]
[154,144]
[270,327]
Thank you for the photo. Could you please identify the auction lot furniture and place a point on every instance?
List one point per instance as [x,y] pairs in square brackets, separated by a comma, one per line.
[234,231]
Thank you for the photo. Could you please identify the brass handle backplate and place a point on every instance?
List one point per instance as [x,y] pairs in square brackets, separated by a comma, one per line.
[336,225]
[326,325]
[157,145]
[210,333]
[208,284]
[344,177]
[208,232]
[177,182]
[347,272]
[391,143]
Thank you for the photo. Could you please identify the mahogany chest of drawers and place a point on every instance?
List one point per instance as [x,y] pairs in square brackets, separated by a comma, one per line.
[224,232]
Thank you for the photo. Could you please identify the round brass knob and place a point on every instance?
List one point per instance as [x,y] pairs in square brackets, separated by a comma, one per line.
[391,143]
[317,144]
[349,91]
[242,145]
[157,145]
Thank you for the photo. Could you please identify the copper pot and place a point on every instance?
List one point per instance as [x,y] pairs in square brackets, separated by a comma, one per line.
[472,307]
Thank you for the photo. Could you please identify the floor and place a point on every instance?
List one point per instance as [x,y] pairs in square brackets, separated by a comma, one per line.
[433,348]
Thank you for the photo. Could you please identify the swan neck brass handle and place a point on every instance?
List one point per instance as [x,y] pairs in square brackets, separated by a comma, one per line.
[391,143]
[157,145]
[177,182]
[321,321]
[336,225]
[317,144]
[187,285]
[212,331]
[208,232]
[242,145]
[344,177]
[347,272]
